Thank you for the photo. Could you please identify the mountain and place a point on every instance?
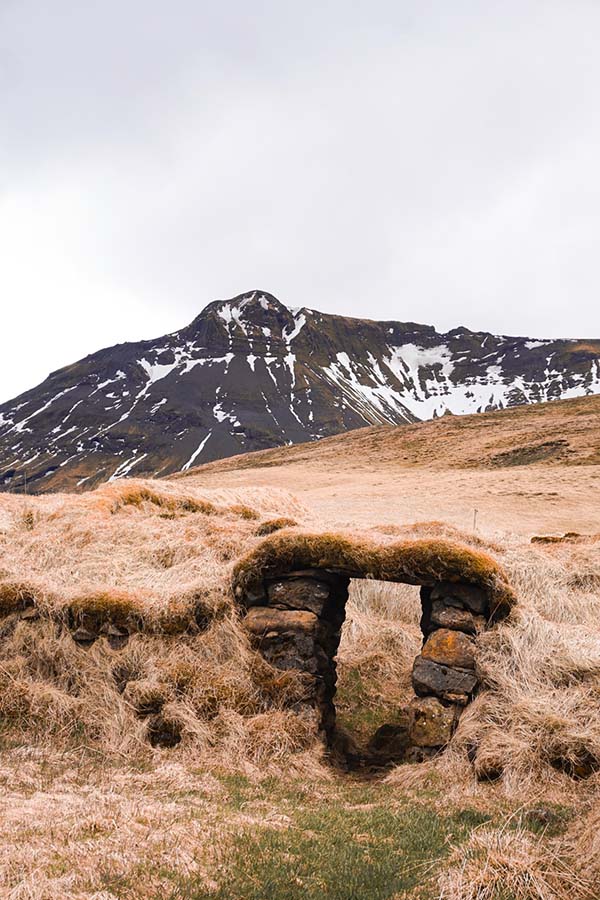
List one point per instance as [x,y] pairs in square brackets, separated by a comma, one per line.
[249,374]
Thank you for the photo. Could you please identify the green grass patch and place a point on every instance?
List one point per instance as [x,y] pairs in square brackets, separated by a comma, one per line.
[356,842]
[358,710]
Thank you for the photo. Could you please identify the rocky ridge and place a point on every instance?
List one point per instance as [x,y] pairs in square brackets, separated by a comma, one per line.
[250,374]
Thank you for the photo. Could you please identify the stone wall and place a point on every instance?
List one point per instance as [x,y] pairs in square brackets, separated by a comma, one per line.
[300,629]
[298,624]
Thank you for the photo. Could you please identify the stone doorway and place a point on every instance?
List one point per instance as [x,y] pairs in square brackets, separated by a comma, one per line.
[294,614]
[380,639]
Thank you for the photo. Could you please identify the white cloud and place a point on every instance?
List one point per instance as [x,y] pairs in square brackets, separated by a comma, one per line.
[420,161]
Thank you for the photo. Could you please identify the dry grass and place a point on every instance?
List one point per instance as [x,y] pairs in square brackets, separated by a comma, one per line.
[450,441]
[158,559]
[15,596]
[444,470]
[166,581]
[505,864]
[273,525]
[112,558]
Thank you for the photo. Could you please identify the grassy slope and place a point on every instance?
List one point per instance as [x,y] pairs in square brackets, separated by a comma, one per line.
[475,441]
[526,470]
[78,830]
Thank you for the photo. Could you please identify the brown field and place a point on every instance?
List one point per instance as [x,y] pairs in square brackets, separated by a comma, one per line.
[247,804]
[526,470]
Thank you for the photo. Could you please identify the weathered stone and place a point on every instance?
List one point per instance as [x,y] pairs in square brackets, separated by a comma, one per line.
[390,742]
[429,677]
[287,654]
[420,754]
[296,626]
[468,595]
[450,648]
[294,639]
[430,722]
[299,593]
[116,637]
[444,616]
[84,637]
[253,595]
[261,620]
[458,699]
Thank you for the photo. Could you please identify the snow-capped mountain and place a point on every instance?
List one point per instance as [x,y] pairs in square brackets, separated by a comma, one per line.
[249,373]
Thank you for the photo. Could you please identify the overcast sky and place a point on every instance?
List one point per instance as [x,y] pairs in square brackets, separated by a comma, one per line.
[430,161]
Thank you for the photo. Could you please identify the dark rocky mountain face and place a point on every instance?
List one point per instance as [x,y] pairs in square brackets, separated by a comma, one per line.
[249,373]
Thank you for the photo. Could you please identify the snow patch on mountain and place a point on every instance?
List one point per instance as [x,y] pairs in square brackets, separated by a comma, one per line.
[249,373]
[196,453]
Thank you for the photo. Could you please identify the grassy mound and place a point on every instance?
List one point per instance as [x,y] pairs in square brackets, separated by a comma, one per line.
[422,561]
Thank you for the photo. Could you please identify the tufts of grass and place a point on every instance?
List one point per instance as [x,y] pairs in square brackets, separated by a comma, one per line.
[505,864]
[147,696]
[16,596]
[107,606]
[273,525]
[244,512]
[134,494]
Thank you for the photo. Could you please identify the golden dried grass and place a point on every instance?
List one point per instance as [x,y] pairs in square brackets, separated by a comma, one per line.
[168,582]
[171,570]
[16,596]
[510,863]
[273,525]
[112,558]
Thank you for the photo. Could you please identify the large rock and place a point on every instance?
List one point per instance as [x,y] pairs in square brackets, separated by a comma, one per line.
[299,593]
[469,596]
[450,648]
[430,722]
[444,616]
[293,639]
[429,677]
[260,620]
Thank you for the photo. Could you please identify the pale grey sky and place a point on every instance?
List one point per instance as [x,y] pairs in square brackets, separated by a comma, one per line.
[412,159]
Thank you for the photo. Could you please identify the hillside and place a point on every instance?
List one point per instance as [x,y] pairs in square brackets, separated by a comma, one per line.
[250,374]
[561,432]
[524,470]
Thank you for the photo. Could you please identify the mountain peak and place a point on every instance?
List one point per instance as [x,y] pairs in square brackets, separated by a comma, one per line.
[250,373]
[249,300]
[251,307]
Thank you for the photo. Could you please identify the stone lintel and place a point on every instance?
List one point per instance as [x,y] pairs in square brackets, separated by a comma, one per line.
[299,593]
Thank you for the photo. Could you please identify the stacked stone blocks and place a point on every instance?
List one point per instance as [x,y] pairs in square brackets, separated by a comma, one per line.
[296,621]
